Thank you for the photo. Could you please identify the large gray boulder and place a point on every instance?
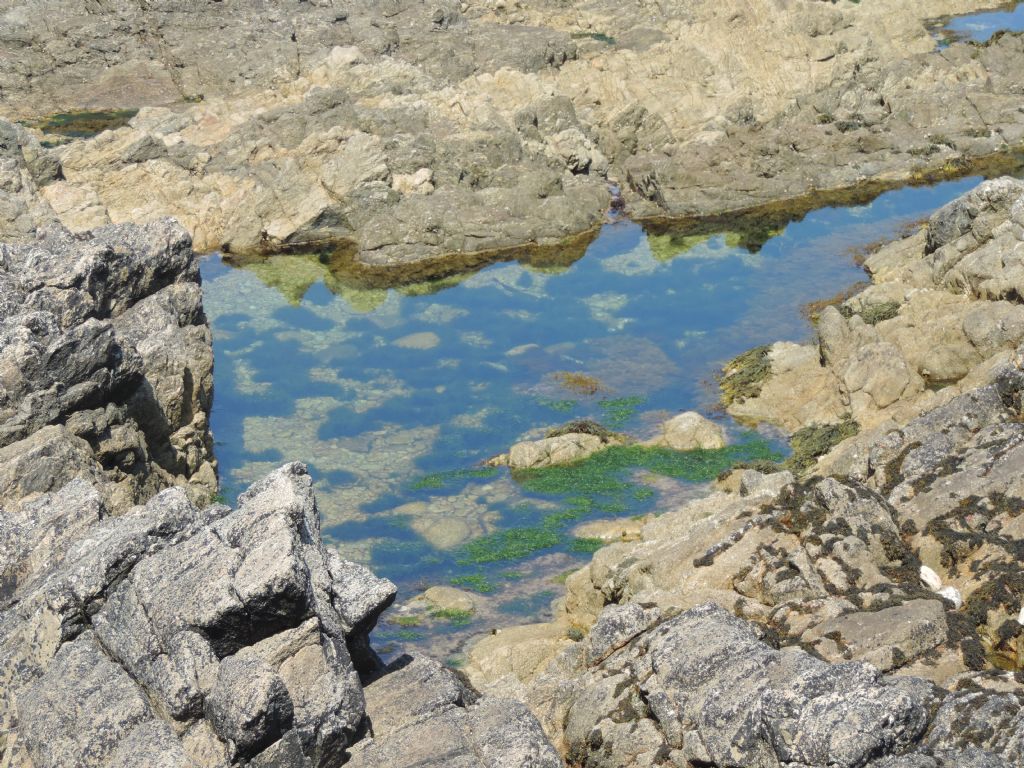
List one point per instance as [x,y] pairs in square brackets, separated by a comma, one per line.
[107,362]
[224,632]
[176,636]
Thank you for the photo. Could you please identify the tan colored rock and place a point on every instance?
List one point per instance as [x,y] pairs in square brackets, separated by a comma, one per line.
[519,651]
[418,183]
[689,431]
[442,598]
[551,451]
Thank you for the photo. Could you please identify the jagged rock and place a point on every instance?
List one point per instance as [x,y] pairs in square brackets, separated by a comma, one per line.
[222,637]
[413,689]
[106,350]
[493,732]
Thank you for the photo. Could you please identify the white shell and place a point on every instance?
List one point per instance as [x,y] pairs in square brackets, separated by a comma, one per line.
[1020,616]
[953,595]
[930,579]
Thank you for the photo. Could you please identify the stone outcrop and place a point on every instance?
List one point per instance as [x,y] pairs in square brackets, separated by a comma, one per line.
[361,126]
[107,367]
[175,635]
[825,570]
[943,312]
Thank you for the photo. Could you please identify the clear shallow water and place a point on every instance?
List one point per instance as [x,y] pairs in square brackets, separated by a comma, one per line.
[981,26]
[394,397]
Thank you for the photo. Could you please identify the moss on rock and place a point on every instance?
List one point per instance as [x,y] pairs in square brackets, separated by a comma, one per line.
[816,440]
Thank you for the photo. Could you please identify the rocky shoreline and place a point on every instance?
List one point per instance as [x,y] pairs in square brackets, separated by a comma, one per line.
[362,130]
[864,611]
[139,623]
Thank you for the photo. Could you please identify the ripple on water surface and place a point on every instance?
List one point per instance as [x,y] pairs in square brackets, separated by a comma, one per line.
[394,397]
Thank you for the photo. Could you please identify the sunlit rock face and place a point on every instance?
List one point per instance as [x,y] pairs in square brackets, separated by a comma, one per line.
[107,363]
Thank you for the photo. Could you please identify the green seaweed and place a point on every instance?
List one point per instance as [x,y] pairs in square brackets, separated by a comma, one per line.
[437,480]
[600,475]
[602,472]
[83,125]
[816,440]
[408,634]
[745,374]
[454,616]
[619,410]
[510,544]
[586,545]
[474,581]
[405,621]
[642,492]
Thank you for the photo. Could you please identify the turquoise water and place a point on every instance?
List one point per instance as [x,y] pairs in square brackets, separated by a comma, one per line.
[979,27]
[395,397]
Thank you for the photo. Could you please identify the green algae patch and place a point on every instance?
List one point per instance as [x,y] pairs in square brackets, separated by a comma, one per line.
[510,544]
[454,616]
[474,581]
[642,493]
[83,125]
[602,473]
[617,411]
[437,480]
[406,621]
[599,485]
[816,440]
[291,276]
[586,545]
[745,375]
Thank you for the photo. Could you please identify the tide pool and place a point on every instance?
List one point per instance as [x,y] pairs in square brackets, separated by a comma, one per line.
[395,397]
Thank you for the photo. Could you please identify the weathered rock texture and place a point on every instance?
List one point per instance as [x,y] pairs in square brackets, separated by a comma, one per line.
[944,311]
[407,131]
[178,636]
[106,370]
